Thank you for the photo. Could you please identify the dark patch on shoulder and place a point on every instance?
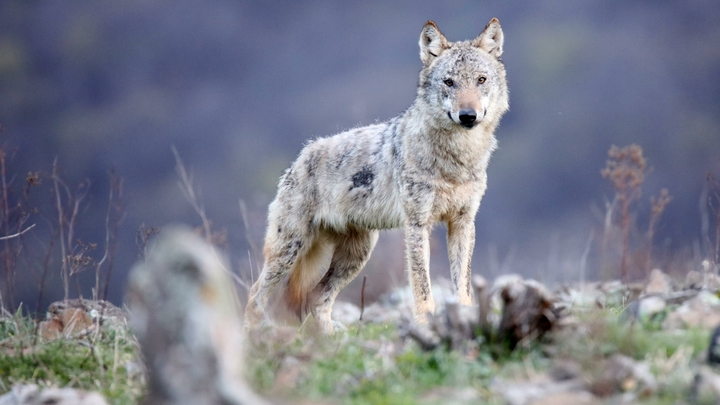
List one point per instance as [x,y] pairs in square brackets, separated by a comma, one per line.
[363,178]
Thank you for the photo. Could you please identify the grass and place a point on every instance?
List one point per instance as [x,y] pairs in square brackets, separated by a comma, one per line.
[671,355]
[369,365]
[605,332]
[375,366]
[102,361]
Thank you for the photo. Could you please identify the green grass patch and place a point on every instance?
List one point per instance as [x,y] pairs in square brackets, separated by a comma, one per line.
[605,332]
[96,362]
[368,365]
[374,366]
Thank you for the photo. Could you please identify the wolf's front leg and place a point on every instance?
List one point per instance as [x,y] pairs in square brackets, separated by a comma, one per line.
[461,241]
[417,240]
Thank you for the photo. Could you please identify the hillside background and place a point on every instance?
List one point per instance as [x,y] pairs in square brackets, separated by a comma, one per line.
[239,87]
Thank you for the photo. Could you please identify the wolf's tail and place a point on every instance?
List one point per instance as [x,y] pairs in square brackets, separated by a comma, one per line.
[304,276]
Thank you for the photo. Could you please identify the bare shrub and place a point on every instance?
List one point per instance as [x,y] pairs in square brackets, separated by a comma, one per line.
[625,168]
[15,213]
[33,230]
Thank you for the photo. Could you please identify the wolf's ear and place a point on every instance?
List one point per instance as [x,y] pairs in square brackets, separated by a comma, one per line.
[432,42]
[491,40]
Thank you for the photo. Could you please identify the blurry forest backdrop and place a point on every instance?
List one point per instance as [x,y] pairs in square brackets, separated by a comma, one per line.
[237,87]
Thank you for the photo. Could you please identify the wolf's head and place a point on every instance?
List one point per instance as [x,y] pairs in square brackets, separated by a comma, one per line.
[464,81]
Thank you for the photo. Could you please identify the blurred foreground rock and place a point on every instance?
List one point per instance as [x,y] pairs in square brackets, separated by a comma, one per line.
[185,314]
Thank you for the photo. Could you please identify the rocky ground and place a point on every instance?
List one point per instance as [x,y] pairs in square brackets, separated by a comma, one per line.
[589,343]
[659,309]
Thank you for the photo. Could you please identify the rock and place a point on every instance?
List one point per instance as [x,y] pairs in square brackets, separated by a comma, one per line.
[100,311]
[345,312]
[617,294]
[567,398]
[543,390]
[623,374]
[564,370]
[585,295]
[50,329]
[646,307]
[658,283]
[702,311]
[67,322]
[702,280]
[78,316]
[598,295]
[31,394]
[454,395]
[650,306]
[383,314]
[402,298]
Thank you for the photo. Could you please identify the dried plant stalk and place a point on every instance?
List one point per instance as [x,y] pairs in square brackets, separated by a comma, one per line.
[625,168]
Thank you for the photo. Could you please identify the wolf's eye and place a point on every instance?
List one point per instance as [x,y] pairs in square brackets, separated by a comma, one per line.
[481,79]
[448,82]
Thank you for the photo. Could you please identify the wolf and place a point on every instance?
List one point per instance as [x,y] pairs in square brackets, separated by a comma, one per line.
[427,165]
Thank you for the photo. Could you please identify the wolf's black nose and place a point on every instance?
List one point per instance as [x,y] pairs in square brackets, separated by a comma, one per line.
[467,117]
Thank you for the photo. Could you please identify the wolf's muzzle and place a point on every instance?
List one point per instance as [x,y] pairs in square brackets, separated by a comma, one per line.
[468,117]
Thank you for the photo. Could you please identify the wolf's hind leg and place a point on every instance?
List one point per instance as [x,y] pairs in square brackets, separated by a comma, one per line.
[257,307]
[280,257]
[352,251]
